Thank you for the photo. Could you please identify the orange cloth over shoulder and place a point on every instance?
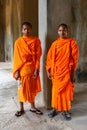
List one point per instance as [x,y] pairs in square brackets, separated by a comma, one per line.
[62,59]
[27,53]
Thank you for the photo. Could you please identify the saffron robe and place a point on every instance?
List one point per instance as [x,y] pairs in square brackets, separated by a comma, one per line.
[27,53]
[62,59]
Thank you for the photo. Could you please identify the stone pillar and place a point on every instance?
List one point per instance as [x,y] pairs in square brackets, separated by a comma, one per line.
[8,30]
[42,25]
[2,51]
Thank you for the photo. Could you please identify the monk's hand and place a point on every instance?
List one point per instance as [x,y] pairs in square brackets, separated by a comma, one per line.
[36,73]
[49,75]
[17,75]
[72,77]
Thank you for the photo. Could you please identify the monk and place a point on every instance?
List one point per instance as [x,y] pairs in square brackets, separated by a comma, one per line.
[26,67]
[61,63]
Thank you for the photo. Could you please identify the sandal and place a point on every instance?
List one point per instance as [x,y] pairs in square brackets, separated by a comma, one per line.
[66,115]
[36,111]
[52,113]
[19,113]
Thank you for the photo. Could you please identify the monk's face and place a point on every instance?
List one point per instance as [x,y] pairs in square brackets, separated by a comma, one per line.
[26,30]
[62,32]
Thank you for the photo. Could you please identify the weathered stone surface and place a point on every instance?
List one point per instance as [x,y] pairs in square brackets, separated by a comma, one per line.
[31,121]
[2,51]
[12,14]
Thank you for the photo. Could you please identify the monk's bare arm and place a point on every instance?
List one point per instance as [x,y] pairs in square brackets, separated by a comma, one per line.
[17,75]
[49,75]
[36,73]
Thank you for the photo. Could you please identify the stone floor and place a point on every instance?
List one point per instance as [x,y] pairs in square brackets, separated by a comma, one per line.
[31,121]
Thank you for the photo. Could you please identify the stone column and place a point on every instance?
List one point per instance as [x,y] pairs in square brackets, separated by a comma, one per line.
[2,51]
[8,30]
[42,25]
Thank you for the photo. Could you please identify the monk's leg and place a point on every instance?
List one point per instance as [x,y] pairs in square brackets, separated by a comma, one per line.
[33,106]
[34,109]
[66,115]
[52,113]
[21,106]
[21,111]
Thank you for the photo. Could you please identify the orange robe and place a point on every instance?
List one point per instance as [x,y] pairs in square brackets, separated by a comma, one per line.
[62,58]
[27,53]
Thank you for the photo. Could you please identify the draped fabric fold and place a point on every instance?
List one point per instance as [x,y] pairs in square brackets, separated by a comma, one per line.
[62,59]
[27,53]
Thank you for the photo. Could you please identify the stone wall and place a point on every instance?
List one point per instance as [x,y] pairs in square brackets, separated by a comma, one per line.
[79,31]
[12,14]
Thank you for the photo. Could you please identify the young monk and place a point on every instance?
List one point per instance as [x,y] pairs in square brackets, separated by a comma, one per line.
[61,63]
[26,67]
